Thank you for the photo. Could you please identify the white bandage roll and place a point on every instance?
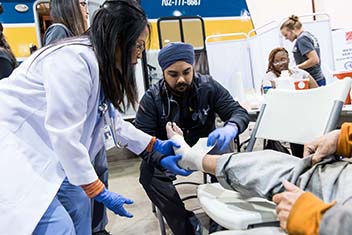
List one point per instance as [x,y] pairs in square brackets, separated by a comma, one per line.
[192,158]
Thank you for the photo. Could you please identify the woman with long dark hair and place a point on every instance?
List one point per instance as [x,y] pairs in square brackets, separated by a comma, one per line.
[69,17]
[7,59]
[53,108]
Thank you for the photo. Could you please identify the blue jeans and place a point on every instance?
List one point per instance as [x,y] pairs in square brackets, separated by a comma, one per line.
[321,82]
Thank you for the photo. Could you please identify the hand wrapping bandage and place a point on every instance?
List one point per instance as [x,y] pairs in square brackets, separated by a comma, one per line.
[192,158]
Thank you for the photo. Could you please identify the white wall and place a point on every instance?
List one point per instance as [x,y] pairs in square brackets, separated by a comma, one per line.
[339,11]
[264,11]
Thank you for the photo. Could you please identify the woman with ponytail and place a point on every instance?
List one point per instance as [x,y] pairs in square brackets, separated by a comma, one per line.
[306,49]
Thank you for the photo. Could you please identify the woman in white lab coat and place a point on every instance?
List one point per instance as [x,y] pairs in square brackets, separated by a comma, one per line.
[52,109]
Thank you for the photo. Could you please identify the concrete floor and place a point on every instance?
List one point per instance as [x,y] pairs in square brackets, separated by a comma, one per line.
[123,179]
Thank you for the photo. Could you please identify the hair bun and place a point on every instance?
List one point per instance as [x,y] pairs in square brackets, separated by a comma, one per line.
[293,17]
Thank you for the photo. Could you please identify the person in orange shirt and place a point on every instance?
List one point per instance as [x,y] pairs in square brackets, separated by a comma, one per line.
[303,213]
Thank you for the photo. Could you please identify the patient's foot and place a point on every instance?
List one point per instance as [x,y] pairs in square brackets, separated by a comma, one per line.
[172,129]
[175,133]
[192,158]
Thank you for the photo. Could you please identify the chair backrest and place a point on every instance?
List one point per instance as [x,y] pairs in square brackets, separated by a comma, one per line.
[300,116]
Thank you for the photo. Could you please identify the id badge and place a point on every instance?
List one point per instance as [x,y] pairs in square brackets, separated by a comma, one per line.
[109,142]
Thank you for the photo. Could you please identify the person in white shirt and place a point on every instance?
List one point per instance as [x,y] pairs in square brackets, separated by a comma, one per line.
[278,61]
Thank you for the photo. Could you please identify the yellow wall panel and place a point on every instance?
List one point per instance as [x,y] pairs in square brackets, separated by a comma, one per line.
[212,27]
[227,26]
[20,38]
[154,41]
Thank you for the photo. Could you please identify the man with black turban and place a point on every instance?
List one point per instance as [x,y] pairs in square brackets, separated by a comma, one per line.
[191,100]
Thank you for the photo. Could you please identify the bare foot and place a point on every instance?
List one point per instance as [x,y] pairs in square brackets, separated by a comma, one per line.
[172,129]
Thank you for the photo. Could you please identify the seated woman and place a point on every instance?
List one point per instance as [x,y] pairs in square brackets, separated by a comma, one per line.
[279,61]
[327,209]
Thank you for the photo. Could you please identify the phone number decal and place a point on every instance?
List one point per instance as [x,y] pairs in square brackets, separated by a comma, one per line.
[169,3]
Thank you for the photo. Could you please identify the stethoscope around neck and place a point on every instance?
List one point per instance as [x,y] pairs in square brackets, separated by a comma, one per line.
[166,114]
[108,112]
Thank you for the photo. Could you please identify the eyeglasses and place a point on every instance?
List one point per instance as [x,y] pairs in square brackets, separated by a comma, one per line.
[140,47]
[83,3]
[280,62]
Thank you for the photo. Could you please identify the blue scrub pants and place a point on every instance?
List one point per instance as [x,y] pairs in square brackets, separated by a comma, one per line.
[77,204]
[71,210]
[68,214]
[100,218]
[55,220]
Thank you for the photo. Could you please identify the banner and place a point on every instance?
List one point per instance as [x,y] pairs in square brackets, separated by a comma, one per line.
[342,40]
[203,8]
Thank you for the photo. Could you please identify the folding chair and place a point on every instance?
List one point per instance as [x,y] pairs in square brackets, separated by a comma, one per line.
[159,215]
[300,116]
[292,116]
[255,231]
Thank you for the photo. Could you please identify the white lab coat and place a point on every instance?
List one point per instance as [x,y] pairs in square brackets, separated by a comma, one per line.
[50,129]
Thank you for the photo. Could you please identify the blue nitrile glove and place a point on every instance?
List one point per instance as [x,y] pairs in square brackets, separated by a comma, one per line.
[165,146]
[170,163]
[114,202]
[223,136]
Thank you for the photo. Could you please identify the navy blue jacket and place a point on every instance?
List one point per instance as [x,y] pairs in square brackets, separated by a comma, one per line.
[194,113]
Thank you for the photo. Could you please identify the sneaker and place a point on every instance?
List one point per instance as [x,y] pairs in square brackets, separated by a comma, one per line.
[198,229]
[214,227]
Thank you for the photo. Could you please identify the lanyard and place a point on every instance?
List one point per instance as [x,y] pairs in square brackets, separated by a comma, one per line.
[108,113]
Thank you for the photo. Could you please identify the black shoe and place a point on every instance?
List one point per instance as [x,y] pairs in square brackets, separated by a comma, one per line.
[198,229]
[214,227]
[103,232]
